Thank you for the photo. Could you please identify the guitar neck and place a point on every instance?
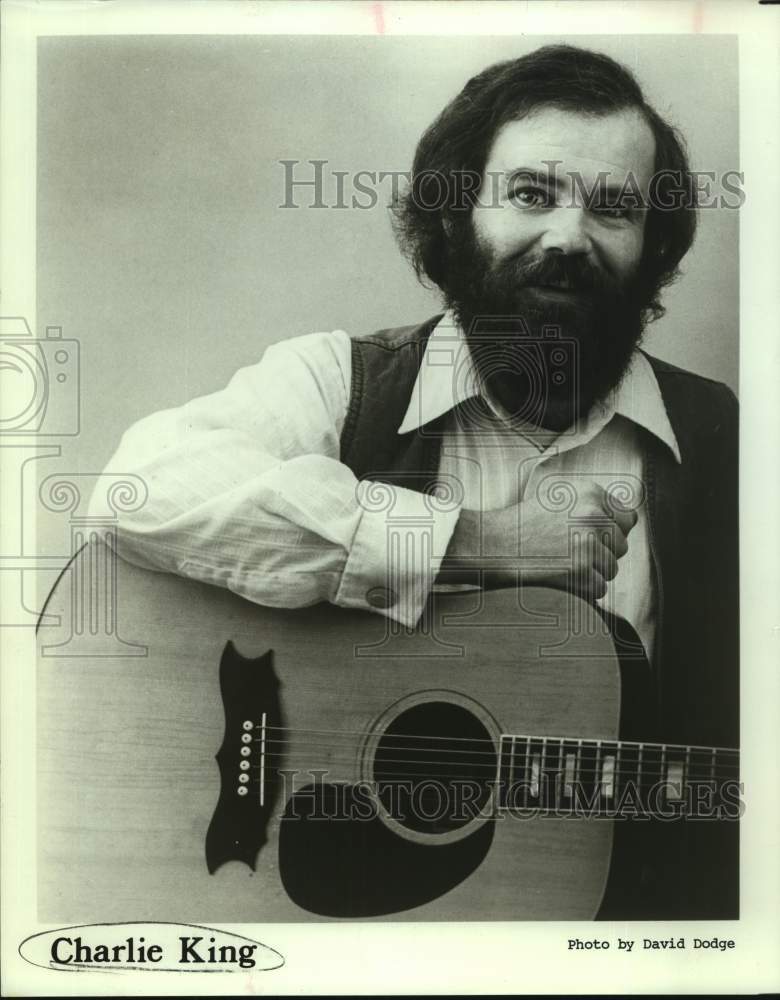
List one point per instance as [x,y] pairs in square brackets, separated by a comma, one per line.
[617,778]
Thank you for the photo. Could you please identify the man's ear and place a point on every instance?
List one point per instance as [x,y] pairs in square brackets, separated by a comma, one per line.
[447,226]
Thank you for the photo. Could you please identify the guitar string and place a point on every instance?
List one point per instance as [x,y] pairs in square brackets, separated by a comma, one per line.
[617,788]
[549,758]
[557,789]
[347,744]
[517,736]
[546,792]
[621,758]
[604,777]
[549,754]
[607,747]
[486,779]
[545,805]
[620,781]
[646,773]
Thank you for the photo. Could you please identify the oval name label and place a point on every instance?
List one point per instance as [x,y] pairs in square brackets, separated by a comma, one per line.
[158,947]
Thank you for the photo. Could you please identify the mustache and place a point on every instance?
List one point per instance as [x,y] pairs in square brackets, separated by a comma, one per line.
[575,273]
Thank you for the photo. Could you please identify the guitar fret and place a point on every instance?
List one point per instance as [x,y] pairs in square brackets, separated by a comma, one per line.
[674,782]
[533,789]
[559,775]
[640,750]
[717,786]
[665,798]
[625,769]
[696,771]
[507,775]
[552,771]
[586,787]
[577,770]
[527,771]
[550,778]
[653,776]
[607,776]
[601,777]
[569,775]
[570,763]
[703,786]
[597,775]
[535,784]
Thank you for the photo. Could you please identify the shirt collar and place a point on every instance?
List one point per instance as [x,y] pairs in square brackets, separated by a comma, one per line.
[447,377]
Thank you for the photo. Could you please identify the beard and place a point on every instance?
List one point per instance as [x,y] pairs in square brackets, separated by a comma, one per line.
[546,355]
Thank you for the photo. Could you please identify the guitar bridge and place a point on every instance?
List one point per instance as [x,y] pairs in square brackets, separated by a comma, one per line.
[248,785]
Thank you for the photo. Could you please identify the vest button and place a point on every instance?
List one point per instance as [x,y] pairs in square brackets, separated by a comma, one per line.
[381,597]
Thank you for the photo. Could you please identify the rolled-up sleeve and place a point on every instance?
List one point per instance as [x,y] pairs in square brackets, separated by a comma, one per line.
[245,490]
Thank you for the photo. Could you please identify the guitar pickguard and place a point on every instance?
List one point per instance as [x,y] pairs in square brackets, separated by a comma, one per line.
[250,698]
[359,868]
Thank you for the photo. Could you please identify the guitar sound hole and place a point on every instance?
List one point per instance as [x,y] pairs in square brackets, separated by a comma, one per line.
[434,767]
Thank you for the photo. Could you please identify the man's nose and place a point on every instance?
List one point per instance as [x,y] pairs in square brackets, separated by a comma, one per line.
[566,231]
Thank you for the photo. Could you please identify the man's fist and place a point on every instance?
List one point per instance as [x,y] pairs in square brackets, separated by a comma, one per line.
[530,544]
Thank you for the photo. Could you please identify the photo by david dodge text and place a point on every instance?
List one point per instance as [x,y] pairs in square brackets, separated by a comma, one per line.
[651,944]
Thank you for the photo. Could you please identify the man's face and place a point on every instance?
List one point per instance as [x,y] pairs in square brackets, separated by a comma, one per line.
[539,250]
[530,218]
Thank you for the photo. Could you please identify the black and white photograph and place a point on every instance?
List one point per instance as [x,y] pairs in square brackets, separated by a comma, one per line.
[387,518]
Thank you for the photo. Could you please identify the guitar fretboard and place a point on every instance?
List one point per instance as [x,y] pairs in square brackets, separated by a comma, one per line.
[596,777]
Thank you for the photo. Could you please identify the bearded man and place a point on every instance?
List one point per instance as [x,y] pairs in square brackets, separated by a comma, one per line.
[550,204]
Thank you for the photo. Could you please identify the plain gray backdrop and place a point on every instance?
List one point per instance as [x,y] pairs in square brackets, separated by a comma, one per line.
[161,244]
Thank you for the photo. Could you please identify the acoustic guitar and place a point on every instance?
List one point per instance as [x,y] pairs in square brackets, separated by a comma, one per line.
[202,757]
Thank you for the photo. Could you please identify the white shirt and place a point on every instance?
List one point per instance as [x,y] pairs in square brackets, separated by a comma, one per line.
[246,490]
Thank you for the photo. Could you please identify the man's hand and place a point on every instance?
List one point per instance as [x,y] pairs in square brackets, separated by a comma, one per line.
[531,545]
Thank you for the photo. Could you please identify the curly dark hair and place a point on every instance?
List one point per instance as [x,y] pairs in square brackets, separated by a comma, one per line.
[458,143]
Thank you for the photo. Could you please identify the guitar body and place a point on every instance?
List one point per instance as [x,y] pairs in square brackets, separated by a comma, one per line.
[146,678]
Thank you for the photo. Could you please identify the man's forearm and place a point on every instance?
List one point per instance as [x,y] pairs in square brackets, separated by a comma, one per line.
[529,544]
[481,548]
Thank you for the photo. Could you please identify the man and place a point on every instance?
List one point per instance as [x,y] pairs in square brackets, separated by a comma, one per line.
[550,204]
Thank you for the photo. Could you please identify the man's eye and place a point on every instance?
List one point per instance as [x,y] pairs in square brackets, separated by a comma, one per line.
[531,197]
[612,211]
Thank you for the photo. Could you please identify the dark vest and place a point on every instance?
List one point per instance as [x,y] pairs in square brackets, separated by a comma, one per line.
[692,510]
[693,522]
